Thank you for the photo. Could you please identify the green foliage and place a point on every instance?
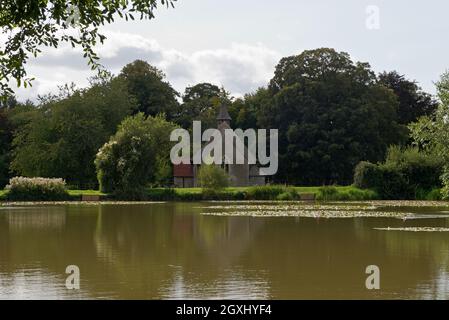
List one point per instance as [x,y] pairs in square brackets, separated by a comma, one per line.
[422,170]
[3,194]
[161,194]
[270,192]
[244,111]
[32,24]
[367,175]
[413,102]
[331,114]
[153,95]
[331,193]
[200,102]
[5,145]
[128,162]
[61,137]
[406,173]
[289,194]
[36,189]
[212,179]
[432,133]
[434,195]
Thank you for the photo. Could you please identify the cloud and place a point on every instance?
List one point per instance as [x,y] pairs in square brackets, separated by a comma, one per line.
[240,68]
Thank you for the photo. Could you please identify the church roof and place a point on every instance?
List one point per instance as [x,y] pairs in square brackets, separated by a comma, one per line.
[223,113]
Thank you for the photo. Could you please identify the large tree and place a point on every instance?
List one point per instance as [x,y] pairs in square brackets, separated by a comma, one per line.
[331,113]
[12,115]
[200,102]
[61,137]
[31,24]
[413,102]
[153,95]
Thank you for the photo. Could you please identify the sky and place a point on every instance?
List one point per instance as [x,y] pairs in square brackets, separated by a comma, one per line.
[237,43]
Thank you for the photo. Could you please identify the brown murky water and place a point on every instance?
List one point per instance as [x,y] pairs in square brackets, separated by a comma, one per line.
[225,250]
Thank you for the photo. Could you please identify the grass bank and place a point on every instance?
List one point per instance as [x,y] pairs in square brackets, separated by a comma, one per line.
[271,192]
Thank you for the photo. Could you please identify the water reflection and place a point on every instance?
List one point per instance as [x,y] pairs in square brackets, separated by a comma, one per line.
[171,251]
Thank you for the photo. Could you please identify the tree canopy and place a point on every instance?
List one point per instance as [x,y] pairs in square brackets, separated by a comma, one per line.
[30,25]
[331,113]
[431,133]
[153,95]
[135,156]
[61,137]
[413,102]
[200,102]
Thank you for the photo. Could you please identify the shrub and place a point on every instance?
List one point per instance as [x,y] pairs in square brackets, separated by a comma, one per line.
[290,194]
[367,175]
[445,181]
[271,192]
[327,193]
[331,193]
[212,179]
[434,195]
[161,194]
[36,189]
[264,192]
[405,174]
[134,157]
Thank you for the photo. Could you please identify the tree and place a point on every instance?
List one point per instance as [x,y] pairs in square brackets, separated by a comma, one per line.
[413,102]
[200,102]
[129,161]
[431,133]
[153,95]
[12,115]
[5,145]
[61,137]
[31,24]
[8,103]
[244,110]
[331,114]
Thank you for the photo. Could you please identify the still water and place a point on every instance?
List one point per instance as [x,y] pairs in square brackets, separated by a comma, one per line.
[224,250]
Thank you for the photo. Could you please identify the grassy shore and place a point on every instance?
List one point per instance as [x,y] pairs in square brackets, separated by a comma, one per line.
[272,192]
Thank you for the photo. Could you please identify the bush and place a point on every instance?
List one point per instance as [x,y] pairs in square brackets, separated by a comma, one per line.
[405,174]
[327,193]
[367,175]
[274,192]
[36,189]
[134,157]
[290,194]
[331,193]
[161,194]
[212,178]
[434,195]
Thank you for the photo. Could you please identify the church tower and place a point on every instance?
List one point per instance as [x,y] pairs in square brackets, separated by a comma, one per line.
[223,115]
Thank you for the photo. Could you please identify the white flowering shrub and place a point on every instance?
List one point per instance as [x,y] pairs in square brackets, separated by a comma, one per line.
[135,157]
[33,189]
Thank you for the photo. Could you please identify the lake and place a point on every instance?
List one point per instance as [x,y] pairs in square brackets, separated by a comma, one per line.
[231,250]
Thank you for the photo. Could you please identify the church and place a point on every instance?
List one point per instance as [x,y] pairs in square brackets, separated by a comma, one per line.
[240,175]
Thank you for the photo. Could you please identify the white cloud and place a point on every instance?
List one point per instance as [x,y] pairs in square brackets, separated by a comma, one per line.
[240,68]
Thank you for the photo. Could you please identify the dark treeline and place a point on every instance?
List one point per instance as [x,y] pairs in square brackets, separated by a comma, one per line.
[331,113]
